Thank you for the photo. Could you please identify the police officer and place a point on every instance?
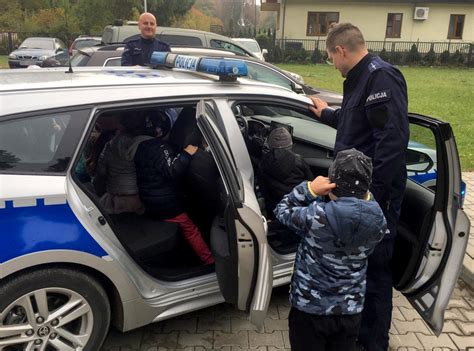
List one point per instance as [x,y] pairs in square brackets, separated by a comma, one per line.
[138,51]
[373,118]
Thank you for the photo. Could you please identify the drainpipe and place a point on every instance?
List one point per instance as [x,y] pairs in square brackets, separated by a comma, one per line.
[283,25]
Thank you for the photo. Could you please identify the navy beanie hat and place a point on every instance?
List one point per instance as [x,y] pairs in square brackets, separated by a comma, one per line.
[352,173]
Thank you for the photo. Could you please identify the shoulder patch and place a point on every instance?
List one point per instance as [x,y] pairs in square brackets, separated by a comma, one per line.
[374,65]
[380,96]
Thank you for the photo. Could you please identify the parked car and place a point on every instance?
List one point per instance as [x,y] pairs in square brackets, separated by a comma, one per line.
[35,50]
[121,32]
[68,269]
[252,45]
[83,42]
[110,55]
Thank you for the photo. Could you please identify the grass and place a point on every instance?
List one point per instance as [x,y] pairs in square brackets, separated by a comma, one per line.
[3,61]
[444,93]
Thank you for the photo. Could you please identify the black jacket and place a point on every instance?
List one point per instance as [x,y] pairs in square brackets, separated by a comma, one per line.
[281,170]
[158,172]
[373,119]
[138,51]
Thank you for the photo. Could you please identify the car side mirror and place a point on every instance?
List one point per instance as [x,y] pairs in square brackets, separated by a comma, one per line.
[264,52]
[418,162]
[297,88]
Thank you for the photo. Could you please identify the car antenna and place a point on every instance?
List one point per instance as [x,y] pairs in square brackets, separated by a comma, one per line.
[69,62]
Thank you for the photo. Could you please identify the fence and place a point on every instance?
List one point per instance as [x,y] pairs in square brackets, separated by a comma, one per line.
[396,52]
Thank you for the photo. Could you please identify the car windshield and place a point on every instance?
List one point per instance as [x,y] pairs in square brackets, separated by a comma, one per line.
[79,59]
[37,43]
[249,45]
[86,43]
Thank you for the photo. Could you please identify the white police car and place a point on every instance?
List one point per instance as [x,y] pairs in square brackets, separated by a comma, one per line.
[68,269]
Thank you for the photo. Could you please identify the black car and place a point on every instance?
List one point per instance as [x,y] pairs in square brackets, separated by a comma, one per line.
[35,50]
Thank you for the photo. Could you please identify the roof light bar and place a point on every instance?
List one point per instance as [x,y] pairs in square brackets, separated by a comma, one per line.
[226,69]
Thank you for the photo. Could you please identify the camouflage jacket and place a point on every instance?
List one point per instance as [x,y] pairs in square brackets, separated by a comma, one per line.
[331,261]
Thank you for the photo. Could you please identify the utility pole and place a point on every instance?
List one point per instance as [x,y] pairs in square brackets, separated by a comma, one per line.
[144,5]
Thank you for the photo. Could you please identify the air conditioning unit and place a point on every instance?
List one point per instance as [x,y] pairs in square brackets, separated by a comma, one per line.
[421,13]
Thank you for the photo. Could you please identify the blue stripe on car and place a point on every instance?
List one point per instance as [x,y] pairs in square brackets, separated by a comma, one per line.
[38,228]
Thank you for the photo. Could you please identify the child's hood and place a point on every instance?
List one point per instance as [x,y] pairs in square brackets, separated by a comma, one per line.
[126,146]
[355,221]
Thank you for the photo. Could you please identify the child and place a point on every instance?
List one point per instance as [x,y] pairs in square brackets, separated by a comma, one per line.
[158,172]
[328,283]
[281,168]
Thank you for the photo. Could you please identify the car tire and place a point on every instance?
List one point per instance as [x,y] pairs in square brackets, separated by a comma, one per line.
[62,308]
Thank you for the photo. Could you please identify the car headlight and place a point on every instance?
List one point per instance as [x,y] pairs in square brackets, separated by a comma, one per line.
[12,57]
[44,57]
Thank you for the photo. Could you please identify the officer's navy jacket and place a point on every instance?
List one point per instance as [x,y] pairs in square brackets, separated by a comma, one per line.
[373,119]
[329,276]
[138,51]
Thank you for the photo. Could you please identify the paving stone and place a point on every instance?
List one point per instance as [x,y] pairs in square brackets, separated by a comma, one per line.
[454,314]
[221,323]
[458,303]
[431,341]
[271,348]
[442,349]
[286,339]
[450,327]
[239,339]
[131,340]
[174,324]
[406,349]
[186,339]
[469,314]
[238,324]
[409,340]
[272,325]
[416,326]
[467,328]
[165,341]
[234,348]
[409,314]
[397,314]
[401,301]
[265,339]
[393,330]
[283,311]
[463,342]
[272,312]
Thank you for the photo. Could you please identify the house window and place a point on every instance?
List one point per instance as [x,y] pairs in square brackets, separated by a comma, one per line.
[319,22]
[456,25]
[394,25]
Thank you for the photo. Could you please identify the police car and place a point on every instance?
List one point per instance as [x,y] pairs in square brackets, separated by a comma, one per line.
[68,269]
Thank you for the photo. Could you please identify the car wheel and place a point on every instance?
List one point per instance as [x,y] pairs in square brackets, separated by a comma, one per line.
[53,309]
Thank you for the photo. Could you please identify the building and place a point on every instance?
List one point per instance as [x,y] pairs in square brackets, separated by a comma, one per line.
[403,20]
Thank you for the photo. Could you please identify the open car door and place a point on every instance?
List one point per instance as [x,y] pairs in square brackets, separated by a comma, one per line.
[433,230]
[239,239]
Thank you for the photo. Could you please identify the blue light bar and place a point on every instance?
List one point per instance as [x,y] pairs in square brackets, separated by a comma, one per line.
[224,68]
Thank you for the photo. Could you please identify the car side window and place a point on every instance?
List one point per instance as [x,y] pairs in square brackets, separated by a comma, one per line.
[180,40]
[221,44]
[266,75]
[421,156]
[40,144]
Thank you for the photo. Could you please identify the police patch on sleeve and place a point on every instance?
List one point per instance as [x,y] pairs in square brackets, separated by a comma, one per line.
[380,96]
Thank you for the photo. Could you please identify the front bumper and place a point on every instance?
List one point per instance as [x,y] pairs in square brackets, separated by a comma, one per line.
[23,63]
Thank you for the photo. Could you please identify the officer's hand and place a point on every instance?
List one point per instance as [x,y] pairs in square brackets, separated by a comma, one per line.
[319,105]
[322,185]
[191,149]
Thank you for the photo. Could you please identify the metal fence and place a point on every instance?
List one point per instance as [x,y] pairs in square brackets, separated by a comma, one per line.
[397,52]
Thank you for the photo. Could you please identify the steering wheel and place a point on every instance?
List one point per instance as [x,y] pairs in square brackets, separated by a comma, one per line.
[243,125]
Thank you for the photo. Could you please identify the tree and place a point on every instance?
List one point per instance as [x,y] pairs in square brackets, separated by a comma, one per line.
[195,19]
[10,15]
[94,15]
[168,12]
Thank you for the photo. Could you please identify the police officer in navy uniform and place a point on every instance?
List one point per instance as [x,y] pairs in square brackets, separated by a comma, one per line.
[138,51]
[373,118]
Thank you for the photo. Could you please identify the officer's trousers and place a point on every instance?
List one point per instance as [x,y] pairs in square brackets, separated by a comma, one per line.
[377,313]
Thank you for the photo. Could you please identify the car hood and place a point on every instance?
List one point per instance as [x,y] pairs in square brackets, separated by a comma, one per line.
[33,52]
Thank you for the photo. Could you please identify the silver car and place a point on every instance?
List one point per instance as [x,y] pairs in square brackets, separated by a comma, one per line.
[68,269]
